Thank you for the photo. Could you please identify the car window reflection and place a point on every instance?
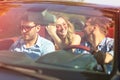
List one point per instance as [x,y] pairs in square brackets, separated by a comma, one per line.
[67,40]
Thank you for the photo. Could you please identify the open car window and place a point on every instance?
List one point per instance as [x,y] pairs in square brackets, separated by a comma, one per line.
[62,59]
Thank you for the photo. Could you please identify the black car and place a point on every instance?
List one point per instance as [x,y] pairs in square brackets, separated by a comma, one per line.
[61,64]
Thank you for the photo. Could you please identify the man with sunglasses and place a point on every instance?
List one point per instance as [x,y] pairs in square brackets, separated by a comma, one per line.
[30,42]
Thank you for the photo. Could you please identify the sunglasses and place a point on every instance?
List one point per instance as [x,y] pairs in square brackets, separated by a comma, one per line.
[26,28]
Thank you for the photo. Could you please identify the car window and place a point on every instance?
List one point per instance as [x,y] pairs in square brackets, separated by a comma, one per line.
[89,56]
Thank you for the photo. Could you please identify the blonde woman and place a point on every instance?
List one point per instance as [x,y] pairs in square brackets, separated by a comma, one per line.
[62,32]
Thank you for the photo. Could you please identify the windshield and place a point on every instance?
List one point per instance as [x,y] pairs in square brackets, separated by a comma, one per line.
[56,36]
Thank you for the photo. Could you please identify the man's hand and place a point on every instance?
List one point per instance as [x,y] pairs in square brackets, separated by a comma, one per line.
[100,57]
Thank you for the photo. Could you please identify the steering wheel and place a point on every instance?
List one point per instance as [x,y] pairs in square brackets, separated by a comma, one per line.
[78,47]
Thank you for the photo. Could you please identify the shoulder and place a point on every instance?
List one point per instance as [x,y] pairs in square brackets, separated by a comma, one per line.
[43,40]
[76,36]
[109,40]
[45,44]
[19,42]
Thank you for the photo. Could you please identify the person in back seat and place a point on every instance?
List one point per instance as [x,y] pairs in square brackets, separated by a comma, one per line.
[31,43]
[62,33]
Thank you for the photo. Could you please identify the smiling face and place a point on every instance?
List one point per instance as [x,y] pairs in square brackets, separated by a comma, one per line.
[62,27]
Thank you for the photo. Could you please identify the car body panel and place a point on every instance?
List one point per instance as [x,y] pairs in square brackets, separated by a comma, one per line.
[11,13]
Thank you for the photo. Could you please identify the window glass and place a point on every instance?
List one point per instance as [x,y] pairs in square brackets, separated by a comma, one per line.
[96,34]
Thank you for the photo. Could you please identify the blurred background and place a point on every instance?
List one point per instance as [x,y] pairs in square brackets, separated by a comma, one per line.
[108,2]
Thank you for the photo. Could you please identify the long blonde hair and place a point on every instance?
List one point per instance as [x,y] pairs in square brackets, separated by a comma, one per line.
[70,32]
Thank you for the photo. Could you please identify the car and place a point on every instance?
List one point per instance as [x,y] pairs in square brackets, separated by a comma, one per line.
[60,64]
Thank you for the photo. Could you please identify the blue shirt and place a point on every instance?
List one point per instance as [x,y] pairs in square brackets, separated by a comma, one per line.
[106,45]
[42,47]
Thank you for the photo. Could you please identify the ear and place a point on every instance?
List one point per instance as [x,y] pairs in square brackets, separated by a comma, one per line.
[38,28]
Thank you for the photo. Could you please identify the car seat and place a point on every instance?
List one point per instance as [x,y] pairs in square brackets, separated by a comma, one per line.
[5,44]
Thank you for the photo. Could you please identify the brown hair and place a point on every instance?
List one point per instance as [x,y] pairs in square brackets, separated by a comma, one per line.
[102,22]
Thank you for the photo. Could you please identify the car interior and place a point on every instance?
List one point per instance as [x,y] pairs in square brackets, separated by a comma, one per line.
[44,16]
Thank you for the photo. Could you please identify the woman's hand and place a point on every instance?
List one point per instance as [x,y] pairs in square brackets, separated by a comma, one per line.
[51,29]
